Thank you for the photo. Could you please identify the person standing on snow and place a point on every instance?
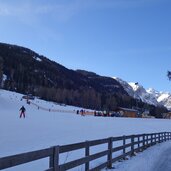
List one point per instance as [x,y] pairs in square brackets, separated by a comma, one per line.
[22,109]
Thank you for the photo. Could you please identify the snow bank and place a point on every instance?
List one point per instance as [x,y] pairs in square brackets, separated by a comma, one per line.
[145,161]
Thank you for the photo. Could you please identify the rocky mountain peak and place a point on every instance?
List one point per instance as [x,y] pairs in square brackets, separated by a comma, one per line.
[150,96]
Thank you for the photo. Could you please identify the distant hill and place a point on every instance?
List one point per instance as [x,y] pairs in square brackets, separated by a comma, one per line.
[25,71]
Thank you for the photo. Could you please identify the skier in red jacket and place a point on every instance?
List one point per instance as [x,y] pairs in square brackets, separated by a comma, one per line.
[22,109]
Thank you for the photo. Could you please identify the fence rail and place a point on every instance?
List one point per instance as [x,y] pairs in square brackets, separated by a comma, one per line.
[128,146]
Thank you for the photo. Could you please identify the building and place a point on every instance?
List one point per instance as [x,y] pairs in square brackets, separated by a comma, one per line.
[146,114]
[167,115]
[126,112]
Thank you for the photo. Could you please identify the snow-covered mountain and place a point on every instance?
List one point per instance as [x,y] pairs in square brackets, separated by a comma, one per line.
[165,99]
[154,92]
[127,87]
[150,96]
[142,94]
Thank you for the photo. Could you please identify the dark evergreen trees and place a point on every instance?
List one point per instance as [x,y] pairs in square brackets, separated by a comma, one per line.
[28,72]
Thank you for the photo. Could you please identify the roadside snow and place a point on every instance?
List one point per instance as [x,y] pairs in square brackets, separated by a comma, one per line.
[156,158]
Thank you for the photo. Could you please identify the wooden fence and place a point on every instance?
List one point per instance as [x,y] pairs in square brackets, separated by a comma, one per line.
[127,146]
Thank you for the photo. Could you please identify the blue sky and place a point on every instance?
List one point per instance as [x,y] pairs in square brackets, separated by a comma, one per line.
[130,39]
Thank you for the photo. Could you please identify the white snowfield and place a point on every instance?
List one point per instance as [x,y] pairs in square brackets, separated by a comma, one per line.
[42,129]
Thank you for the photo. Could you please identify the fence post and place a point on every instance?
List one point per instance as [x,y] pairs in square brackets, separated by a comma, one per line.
[54,159]
[146,140]
[109,157]
[155,138]
[143,142]
[165,136]
[151,140]
[138,143]
[159,137]
[87,153]
[132,145]
[162,136]
[124,142]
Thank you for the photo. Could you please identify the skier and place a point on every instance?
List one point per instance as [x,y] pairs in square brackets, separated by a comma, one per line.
[77,112]
[22,109]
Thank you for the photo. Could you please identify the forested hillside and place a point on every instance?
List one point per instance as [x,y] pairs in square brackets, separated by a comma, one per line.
[25,71]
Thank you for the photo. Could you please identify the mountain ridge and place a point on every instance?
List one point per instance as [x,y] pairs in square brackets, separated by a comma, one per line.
[28,72]
[25,71]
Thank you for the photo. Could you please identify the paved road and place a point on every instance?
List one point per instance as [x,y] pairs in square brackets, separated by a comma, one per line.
[164,163]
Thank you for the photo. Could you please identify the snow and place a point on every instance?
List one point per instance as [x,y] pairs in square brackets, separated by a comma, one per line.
[146,97]
[153,158]
[4,77]
[126,87]
[163,97]
[37,58]
[134,86]
[61,125]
